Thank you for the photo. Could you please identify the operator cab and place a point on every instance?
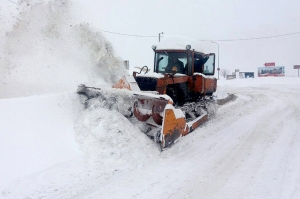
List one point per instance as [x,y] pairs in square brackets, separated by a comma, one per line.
[185,62]
[171,62]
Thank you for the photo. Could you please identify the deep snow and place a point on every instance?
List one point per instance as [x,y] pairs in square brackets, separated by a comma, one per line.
[51,147]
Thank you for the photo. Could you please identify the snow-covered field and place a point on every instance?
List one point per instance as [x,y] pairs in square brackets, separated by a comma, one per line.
[52,147]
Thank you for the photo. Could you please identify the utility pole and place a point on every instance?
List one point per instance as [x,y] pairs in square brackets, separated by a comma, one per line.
[218,57]
[159,36]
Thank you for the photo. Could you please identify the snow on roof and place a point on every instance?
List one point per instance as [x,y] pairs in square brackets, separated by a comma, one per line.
[179,42]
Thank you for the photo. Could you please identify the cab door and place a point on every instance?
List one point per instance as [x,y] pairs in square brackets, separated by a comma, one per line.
[209,65]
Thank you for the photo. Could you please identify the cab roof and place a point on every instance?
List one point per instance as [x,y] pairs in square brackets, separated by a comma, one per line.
[179,43]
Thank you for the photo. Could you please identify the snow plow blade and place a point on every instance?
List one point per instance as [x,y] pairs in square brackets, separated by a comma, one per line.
[165,124]
[175,126]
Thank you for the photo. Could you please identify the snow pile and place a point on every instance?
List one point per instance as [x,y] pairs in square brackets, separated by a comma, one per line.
[221,93]
[108,137]
[48,51]
[104,130]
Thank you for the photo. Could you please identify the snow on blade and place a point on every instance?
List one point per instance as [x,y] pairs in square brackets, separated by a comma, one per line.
[178,112]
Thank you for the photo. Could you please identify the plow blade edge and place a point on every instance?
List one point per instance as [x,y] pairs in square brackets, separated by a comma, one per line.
[175,126]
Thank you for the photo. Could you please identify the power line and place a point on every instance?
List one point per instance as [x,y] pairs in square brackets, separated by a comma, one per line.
[242,39]
[126,34]
[254,38]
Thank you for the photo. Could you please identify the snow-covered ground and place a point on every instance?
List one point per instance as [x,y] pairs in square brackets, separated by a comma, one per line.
[52,147]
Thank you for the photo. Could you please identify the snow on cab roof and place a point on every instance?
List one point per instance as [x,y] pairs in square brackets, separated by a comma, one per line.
[179,43]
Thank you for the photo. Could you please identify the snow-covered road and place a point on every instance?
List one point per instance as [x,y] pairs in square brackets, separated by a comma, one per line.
[251,149]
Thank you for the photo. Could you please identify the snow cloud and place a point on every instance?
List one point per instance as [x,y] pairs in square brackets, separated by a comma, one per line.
[48,51]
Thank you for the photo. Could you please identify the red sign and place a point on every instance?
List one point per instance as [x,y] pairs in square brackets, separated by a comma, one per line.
[296,66]
[218,69]
[270,64]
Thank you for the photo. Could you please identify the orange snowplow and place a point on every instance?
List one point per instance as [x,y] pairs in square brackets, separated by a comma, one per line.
[172,101]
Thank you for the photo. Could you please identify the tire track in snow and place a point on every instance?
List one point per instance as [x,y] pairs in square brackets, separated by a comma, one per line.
[228,165]
[283,143]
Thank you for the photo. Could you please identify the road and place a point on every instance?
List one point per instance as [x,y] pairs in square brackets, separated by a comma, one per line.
[250,149]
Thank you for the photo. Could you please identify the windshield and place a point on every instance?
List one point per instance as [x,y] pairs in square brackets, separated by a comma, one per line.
[171,62]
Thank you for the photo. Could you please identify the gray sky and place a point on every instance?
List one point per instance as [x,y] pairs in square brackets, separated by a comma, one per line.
[204,20]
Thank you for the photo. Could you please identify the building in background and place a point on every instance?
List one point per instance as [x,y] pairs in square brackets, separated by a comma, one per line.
[233,76]
[240,75]
[246,75]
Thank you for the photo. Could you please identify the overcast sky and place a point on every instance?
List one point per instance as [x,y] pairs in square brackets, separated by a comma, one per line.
[204,20]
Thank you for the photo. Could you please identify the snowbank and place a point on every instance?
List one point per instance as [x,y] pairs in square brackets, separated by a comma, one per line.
[36,134]
[51,141]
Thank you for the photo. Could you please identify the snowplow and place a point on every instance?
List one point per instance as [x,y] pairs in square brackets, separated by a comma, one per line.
[170,102]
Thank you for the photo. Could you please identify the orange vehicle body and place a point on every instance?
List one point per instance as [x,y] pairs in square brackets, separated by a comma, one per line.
[191,85]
